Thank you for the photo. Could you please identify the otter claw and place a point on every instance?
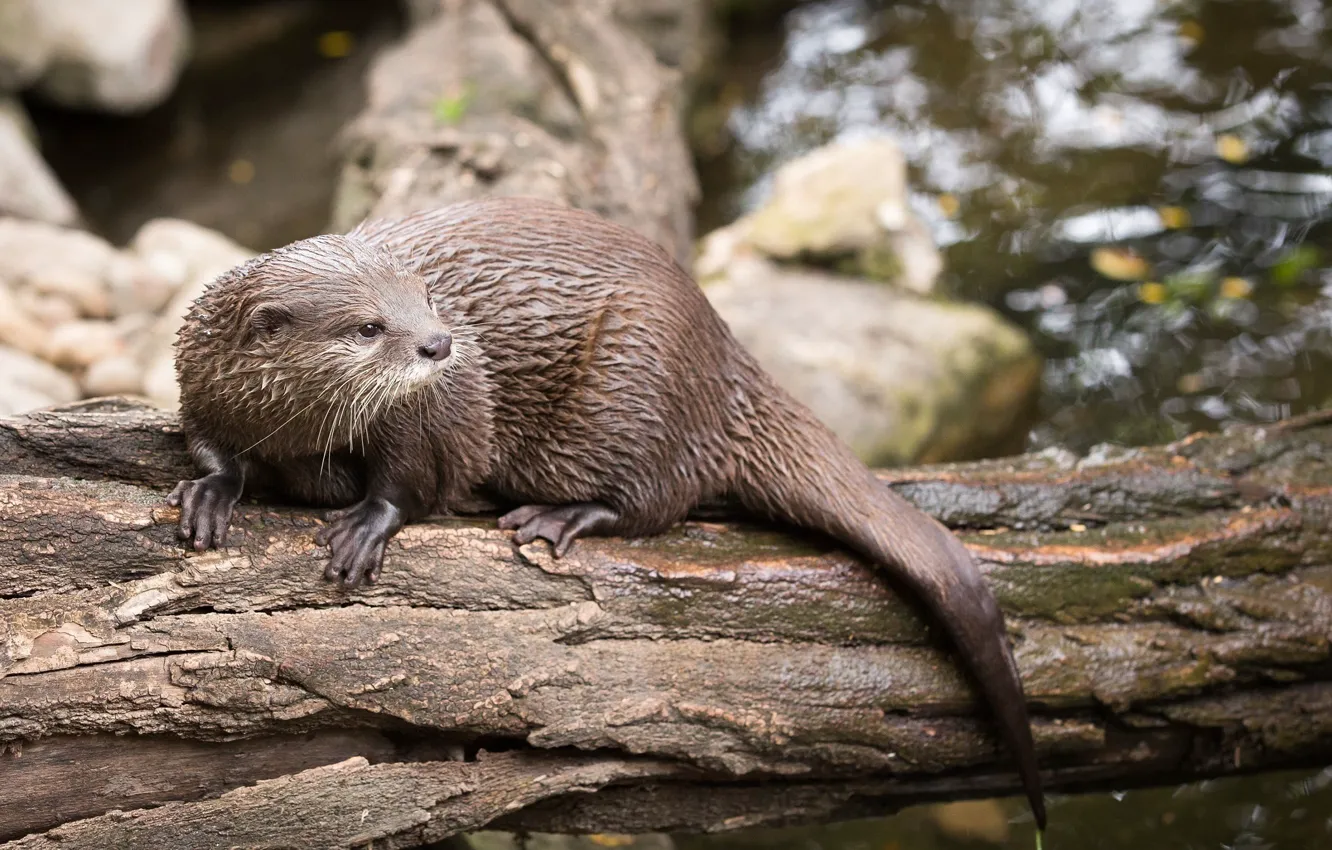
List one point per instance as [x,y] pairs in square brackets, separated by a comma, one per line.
[357,537]
[560,526]
[205,509]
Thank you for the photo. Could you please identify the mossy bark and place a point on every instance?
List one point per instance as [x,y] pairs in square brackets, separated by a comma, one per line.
[1171,610]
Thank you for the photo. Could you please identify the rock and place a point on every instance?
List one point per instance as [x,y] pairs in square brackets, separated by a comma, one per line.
[159,380]
[18,327]
[23,55]
[184,253]
[28,187]
[27,383]
[111,55]
[79,344]
[189,257]
[108,316]
[48,310]
[901,378]
[55,261]
[844,206]
[119,374]
[136,287]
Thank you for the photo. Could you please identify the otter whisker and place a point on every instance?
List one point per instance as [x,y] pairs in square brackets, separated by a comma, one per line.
[278,428]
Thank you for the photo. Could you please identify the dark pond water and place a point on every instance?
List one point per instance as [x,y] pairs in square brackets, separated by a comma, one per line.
[1275,811]
[1141,184]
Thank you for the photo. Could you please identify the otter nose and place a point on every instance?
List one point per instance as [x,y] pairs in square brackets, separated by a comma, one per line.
[437,348]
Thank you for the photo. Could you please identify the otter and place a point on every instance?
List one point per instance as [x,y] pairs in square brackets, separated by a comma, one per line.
[544,357]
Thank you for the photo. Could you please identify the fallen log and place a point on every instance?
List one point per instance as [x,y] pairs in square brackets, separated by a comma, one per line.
[1171,609]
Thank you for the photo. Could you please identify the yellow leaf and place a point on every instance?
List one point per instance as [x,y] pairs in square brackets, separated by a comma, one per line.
[1191,383]
[1076,527]
[1174,218]
[1119,264]
[1232,148]
[1192,30]
[1152,293]
[240,171]
[335,44]
[1235,287]
[604,839]
[948,205]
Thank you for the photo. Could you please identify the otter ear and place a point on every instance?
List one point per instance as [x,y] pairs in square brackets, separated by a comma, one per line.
[267,319]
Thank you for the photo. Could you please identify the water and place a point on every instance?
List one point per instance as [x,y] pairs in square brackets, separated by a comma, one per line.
[1141,184]
[1275,811]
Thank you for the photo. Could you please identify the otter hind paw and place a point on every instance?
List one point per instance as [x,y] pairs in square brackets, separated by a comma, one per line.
[559,525]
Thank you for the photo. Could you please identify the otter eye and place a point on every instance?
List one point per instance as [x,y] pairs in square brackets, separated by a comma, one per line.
[371,330]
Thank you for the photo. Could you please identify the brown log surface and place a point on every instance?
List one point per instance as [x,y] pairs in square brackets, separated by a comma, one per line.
[1171,609]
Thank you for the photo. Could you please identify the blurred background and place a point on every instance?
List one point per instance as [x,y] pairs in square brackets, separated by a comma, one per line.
[1089,222]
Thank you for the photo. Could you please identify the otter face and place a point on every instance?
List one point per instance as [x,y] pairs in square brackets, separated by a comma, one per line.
[321,339]
[376,327]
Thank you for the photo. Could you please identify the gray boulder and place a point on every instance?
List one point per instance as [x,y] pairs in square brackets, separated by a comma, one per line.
[899,377]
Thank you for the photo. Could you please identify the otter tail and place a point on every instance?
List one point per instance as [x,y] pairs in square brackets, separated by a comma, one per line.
[794,469]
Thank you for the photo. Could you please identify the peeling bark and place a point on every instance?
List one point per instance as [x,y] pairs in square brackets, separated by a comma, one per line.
[1171,609]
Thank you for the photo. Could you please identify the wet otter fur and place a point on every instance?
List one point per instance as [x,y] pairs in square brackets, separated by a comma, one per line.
[550,359]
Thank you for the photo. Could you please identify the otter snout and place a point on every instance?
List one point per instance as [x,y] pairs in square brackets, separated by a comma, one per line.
[437,347]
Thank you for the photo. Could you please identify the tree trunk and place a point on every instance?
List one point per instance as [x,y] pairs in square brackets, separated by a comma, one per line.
[1171,609]
[558,99]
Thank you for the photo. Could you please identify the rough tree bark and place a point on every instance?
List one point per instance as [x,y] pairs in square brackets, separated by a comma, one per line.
[1171,609]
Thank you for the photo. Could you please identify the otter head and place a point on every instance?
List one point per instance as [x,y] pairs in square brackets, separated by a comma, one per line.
[317,339]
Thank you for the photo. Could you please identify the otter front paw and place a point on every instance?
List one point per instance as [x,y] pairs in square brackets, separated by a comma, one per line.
[205,508]
[357,536]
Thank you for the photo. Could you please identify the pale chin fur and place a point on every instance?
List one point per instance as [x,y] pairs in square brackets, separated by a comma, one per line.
[425,374]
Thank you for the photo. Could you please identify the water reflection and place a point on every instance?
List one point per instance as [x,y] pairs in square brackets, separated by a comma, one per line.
[1139,183]
[1276,810]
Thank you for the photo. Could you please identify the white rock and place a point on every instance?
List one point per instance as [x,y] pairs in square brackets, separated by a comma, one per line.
[27,383]
[183,251]
[114,55]
[48,310]
[193,256]
[116,375]
[79,344]
[136,287]
[19,328]
[159,381]
[52,260]
[28,187]
[23,52]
